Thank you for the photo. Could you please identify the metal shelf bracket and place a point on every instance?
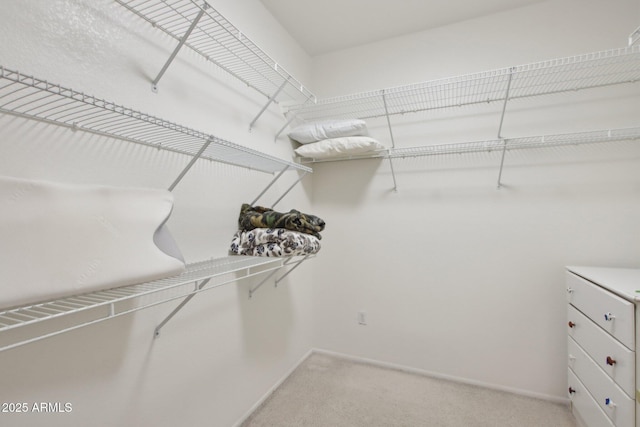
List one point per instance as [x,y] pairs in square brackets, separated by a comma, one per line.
[154,83]
[304,173]
[634,37]
[255,288]
[285,263]
[293,116]
[504,149]
[277,177]
[198,287]
[273,181]
[504,109]
[269,101]
[296,265]
[191,163]
[393,142]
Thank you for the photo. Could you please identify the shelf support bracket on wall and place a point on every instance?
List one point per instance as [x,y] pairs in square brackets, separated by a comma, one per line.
[191,163]
[269,185]
[504,149]
[634,37]
[289,189]
[504,109]
[154,84]
[271,99]
[393,142]
[287,262]
[273,182]
[291,269]
[274,266]
[293,116]
[263,281]
[198,287]
[288,122]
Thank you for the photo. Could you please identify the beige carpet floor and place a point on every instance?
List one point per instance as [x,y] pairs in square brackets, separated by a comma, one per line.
[327,391]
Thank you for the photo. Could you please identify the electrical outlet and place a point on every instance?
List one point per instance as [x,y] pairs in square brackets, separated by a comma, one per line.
[362,318]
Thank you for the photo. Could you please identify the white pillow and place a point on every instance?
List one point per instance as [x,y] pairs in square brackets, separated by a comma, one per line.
[317,131]
[339,147]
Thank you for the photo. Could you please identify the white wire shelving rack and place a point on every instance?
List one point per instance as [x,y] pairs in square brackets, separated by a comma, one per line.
[588,71]
[33,98]
[569,74]
[36,99]
[498,145]
[508,144]
[73,312]
[199,27]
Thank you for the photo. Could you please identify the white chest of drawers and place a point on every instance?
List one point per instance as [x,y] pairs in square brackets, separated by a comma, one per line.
[603,323]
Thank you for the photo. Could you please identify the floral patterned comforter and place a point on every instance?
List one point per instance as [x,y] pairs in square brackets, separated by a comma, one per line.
[273,242]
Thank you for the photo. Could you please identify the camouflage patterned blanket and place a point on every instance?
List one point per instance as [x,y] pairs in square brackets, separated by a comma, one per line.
[252,217]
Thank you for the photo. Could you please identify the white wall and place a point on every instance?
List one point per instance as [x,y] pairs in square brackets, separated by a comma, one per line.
[456,277]
[222,352]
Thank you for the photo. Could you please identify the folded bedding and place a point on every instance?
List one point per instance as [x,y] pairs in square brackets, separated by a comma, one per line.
[273,242]
[340,147]
[318,131]
[63,239]
[252,217]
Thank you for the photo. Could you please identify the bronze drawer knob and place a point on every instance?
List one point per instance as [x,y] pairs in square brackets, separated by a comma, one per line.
[610,361]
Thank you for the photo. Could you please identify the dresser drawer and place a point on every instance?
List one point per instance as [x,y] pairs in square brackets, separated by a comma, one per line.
[610,312]
[587,408]
[618,406]
[600,346]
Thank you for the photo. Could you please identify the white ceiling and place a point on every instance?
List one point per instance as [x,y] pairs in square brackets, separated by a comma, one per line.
[322,26]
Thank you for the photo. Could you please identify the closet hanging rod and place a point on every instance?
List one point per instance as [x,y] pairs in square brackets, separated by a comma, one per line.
[598,69]
[29,97]
[201,28]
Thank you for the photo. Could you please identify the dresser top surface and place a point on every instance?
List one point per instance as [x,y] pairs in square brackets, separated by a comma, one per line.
[622,281]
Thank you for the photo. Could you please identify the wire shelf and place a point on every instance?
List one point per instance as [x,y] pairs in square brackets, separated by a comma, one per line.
[497,145]
[34,98]
[543,78]
[219,41]
[542,141]
[111,300]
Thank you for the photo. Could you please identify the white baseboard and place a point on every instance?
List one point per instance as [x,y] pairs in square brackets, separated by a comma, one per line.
[272,389]
[426,373]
